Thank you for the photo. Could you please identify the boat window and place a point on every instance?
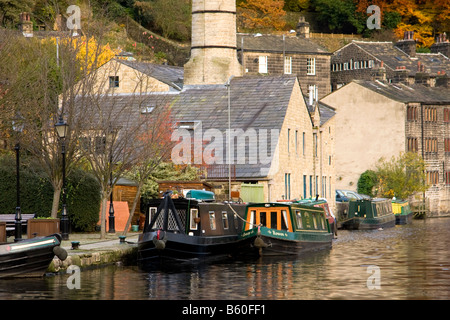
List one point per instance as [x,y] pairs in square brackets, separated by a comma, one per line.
[298,214]
[273,220]
[194,216]
[314,221]
[212,220]
[322,221]
[225,219]
[151,213]
[284,220]
[252,220]
[263,218]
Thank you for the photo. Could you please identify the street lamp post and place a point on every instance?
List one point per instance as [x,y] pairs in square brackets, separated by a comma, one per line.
[111,218]
[18,127]
[61,129]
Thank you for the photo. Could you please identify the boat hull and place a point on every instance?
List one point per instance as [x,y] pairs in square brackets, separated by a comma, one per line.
[361,223]
[403,218]
[29,257]
[181,248]
[282,243]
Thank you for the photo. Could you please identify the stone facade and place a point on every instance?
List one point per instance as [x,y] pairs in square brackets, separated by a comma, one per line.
[118,77]
[394,63]
[376,119]
[320,78]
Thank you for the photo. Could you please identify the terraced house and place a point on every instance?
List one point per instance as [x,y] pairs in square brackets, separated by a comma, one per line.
[377,119]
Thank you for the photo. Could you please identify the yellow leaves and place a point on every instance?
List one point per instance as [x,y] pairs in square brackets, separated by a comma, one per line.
[261,14]
[89,53]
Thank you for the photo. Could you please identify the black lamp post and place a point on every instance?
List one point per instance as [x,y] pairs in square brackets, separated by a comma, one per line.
[111,219]
[18,127]
[61,129]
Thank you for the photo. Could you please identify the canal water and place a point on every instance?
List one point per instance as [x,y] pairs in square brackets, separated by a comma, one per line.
[404,262]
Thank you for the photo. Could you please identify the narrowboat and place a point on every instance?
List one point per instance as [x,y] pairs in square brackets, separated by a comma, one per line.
[369,214]
[402,211]
[188,230]
[274,229]
[323,203]
[30,257]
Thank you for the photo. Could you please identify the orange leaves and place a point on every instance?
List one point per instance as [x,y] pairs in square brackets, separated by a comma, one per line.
[263,14]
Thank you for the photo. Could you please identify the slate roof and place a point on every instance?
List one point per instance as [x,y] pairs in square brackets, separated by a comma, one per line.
[406,94]
[256,103]
[395,58]
[170,75]
[275,43]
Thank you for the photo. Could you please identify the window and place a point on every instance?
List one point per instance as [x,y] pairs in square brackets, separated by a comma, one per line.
[262,64]
[412,114]
[304,141]
[432,177]
[430,114]
[225,219]
[193,219]
[287,65]
[287,186]
[114,81]
[151,213]
[298,214]
[412,145]
[284,220]
[311,66]
[447,144]
[447,178]
[431,145]
[212,220]
[288,139]
[446,115]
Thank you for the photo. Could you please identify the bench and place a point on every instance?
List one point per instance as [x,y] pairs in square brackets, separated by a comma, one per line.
[10,220]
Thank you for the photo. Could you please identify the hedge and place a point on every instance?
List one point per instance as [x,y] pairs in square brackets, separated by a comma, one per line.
[36,194]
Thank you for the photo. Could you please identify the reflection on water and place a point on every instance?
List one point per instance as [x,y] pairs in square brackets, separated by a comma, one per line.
[413,261]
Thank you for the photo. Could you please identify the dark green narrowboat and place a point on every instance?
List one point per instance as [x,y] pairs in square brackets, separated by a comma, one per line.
[273,229]
[369,214]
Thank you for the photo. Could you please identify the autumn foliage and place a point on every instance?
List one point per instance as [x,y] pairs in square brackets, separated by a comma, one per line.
[263,14]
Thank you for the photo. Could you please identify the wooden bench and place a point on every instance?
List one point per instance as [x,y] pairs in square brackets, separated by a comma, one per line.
[10,220]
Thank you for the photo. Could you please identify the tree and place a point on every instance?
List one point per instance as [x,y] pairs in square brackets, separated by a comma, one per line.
[401,176]
[155,147]
[366,183]
[263,14]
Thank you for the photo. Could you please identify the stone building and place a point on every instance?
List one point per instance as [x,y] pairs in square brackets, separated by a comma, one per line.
[268,54]
[121,76]
[394,63]
[377,119]
[280,142]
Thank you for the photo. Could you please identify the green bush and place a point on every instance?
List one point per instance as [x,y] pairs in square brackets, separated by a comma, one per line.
[367,181]
[83,200]
[36,193]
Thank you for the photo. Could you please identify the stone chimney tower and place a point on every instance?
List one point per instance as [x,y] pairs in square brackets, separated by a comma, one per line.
[26,25]
[408,44]
[302,28]
[213,50]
